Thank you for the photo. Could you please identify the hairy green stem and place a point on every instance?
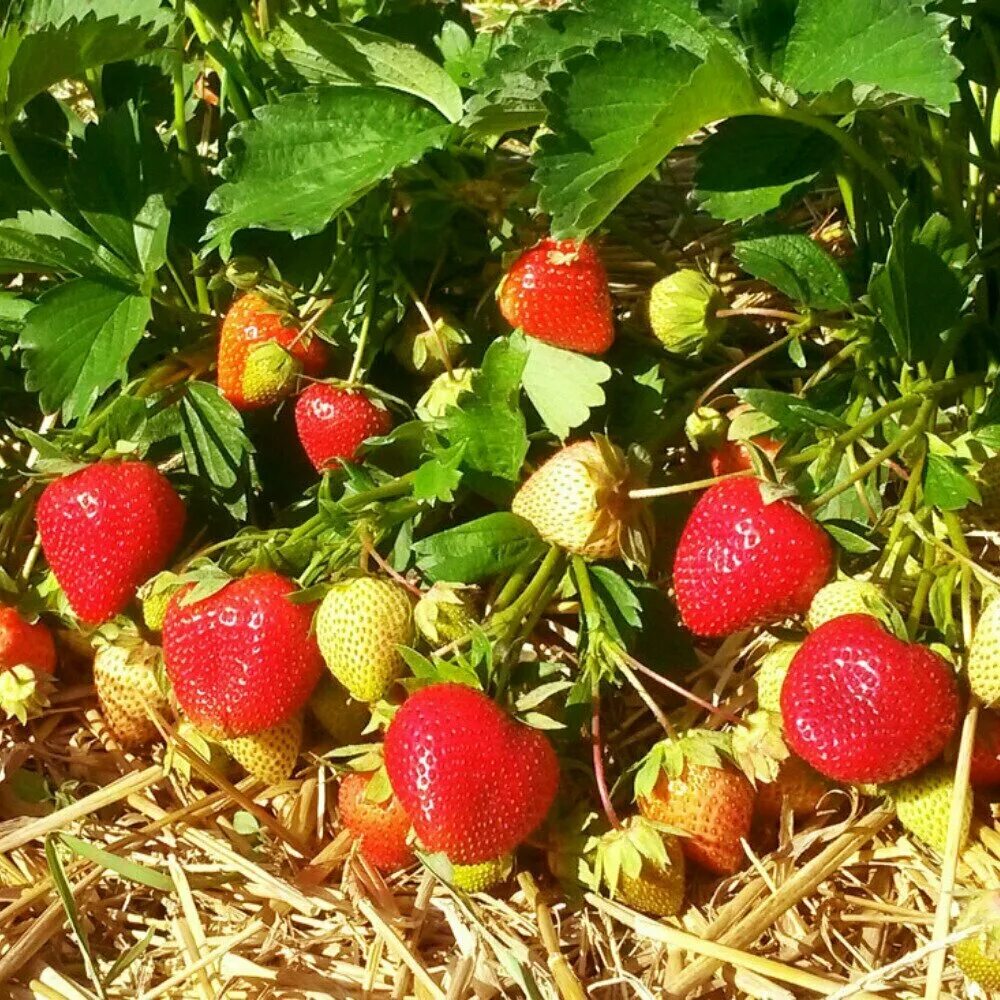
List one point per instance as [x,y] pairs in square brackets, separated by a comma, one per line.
[25,172]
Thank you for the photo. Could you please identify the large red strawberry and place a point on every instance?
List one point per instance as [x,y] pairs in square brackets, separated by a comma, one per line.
[380,827]
[107,529]
[333,422]
[242,660]
[474,781]
[985,769]
[558,292]
[743,562]
[260,357]
[860,705]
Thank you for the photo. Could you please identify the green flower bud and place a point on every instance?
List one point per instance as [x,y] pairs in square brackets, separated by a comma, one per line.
[445,613]
[243,272]
[444,392]
[429,352]
[705,428]
[682,312]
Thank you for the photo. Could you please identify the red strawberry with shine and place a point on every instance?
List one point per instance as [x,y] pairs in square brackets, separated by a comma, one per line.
[473,781]
[242,660]
[985,770]
[250,323]
[381,828]
[333,422]
[24,642]
[107,529]
[744,562]
[860,705]
[558,292]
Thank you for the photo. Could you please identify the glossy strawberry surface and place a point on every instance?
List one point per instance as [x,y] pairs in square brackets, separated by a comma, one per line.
[107,529]
[558,292]
[381,828]
[743,562]
[860,705]
[25,642]
[985,768]
[250,322]
[242,660]
[474,781]
[333,422]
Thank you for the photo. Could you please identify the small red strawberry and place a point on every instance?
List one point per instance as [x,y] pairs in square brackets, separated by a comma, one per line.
[333,423]
[242,660]
[474,781]
[744,562]
[734,456]
[861,705]
[381,827]
[107,529]
[985,770]
[558,292]
[260,357]
[27,661]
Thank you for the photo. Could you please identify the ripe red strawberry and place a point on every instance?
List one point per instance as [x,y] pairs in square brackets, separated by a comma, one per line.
[27,661]
[558,292]
[861,705]
[474,782]
[105,530]
[985,770]
[734,456]
[250,380]
[333,422]
[381,828]
[242,660]
[744,562]
[713,805]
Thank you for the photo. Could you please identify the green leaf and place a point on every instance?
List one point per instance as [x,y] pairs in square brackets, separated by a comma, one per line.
[872,51]
[119,180]
[130,870]
[77,343]
[946,486]
[439,477]
[849,540]
[916,295]
[128,958]
[478,549]
[789,411]
[13,310]
[327,53]
[615,591]
[34,60]
[601,149]
[488,419]
[752,165]
[42,13]
[797,266]
[563,386]
[216,448]
[305,158]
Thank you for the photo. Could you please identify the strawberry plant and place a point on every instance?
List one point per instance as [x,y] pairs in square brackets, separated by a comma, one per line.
[570,429]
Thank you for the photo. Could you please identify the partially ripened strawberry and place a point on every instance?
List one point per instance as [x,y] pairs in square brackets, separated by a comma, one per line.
[712,804]
[105,530]
[734,456]
[360,626]
[579,501]
[128,688]
[269,755]
[985,765]
[242,660]
[797,787]
[983,667]
[861,705]
[558,292]
[483,875]
[380,825]
[27,660]
[743,562]
[474,781]
[978,956]
[333,422]
[923,805]
[261,356]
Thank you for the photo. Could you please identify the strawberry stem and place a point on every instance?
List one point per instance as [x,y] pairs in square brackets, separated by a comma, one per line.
[597,752]
[698,484]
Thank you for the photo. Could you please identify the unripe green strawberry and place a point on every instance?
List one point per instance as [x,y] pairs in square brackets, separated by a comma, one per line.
[771,673]
[443,393]
[269,755]
[923,804]
[128,687]
[683,312]
[269,374]
[445,612]
[657,889]
[983,668]
[343,717]
[705,428]
[482,876]
[154,599]
[359,626]
[979,956]
[988,481]
[579,501]
[846,597]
